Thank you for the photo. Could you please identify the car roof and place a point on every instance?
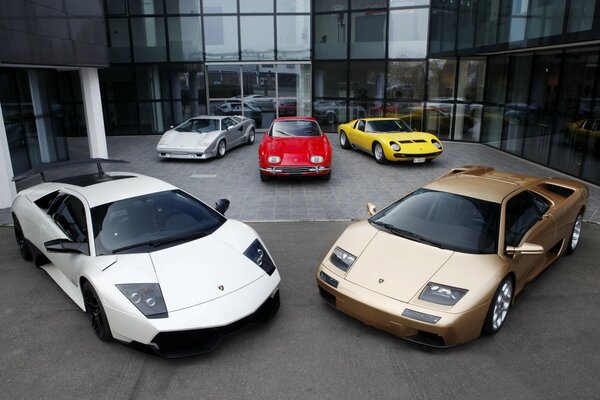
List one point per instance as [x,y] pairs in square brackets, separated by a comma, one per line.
[482,183]
[294,119]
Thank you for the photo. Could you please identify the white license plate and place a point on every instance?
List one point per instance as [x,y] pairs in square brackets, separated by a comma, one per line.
[419,160]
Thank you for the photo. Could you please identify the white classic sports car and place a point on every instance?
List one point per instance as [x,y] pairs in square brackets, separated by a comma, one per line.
[206,137]
[149,263]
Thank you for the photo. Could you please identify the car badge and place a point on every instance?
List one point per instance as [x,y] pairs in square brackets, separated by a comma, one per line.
[380,280]
[221,287]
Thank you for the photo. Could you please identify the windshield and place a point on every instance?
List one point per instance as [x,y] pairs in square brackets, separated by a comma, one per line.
[388,125]
[150,222]
[445,220]
[199,125]
[295,128]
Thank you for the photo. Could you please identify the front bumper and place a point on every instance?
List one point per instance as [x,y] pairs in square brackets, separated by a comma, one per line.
[312,170]
[200,328]
[399,156]
[385,313]
[186,154]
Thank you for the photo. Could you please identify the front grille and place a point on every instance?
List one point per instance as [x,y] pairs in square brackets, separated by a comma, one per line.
[328,297]
[295,170]
[198,341]
[402,155]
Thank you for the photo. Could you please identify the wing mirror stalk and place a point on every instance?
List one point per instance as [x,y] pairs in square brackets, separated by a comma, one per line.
[66,246]
[371,209]
[525,249]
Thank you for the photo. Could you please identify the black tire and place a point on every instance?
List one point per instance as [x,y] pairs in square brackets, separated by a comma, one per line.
[344,142]
[95,312]
[221,149]
[21,241]
[499,307]
[575,234]
[379,154]
[325,177]
[251,137]
[265,177]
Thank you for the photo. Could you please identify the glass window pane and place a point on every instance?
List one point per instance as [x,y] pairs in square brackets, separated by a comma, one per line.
[188,85]
[152,82]
[362,4]
[117,83]
[183,6]
[223,81]
[121,119]
[185,38]
[293,37]
[406,80]
[331,36]
[367,79]
[517,20]
[438,119]
[329,113]
[520,77]
[408,3]
[487,22]
[220,6]
[256,6]
[145,7]
[221,36]
[293,6]
[442,26]
[148,39]
[259,83]
[493,119]
[119,50]
[155,117]
[471,78]
[467,121]
[331,5]
[496,79]
[411,113]
[330,79]
[368,35]
[581,15]
[257,37]
[441,79]
[408,33]
[117,7]
[545,18]
[544,81]
[467,19]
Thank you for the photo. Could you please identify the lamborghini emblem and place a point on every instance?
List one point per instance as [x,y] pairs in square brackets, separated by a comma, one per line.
[221,287]
[380,280]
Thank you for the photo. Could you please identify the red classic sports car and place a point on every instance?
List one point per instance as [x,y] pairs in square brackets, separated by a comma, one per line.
[294,146]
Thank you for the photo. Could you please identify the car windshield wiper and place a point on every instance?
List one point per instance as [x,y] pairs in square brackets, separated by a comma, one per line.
[283,133]
[407,234]
[160,242]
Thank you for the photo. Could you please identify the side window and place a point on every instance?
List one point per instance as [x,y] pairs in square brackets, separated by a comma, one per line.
[71,219]
[521,215]
[361,125]
[541,204]
[227,122]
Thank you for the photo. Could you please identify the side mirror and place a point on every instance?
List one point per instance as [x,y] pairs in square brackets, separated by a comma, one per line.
[371,209]
[526,249]
[66,246]
[222,205]
[241,128]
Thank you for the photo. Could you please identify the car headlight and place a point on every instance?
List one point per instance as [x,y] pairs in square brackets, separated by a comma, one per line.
[274,159]
[316,159]
[436,144]
[395,146]
[147,297]
[342,259]
[440,294]
[258,254]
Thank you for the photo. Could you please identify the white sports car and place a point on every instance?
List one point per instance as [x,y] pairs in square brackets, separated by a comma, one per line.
[149,263]
[206,137]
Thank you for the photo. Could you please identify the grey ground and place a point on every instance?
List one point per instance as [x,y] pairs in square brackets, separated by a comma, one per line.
[548,348]
[356,179]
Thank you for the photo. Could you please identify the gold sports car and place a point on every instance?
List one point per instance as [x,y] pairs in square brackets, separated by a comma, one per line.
[444,263]
[389,139]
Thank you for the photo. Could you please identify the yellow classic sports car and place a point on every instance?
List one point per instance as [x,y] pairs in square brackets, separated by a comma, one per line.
[389,139]
[444,264]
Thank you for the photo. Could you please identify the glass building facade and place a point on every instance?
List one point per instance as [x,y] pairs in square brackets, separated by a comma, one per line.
[517,75]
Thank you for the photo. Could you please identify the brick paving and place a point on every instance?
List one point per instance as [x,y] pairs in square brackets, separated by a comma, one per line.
[356,179]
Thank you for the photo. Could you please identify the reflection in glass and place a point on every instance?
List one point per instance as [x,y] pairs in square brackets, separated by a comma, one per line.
[219,6]
[438,119]
[152,82]
[545,18]
[361,4]
[223,81]
[117,83]
[293,6]
[408,3]
[406,80]
[408,33]
[148,36]
[187,83]
[185,38]
[411,113]
[155,117]
[581,15]
[145,7]
[364,108]
[493,120]
[496,79]
[221,37]
[117,7]
[183,6]
[329,113]
[331,5]
[331,39]
[293,37]
[257,37]
[441,79]
[256,6]
[368,34]
[119,50]
[442,26]
[518,87]
[367,79]
[330,79]
[121,119]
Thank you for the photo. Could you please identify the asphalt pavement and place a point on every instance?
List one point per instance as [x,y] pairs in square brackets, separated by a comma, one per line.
[548,348]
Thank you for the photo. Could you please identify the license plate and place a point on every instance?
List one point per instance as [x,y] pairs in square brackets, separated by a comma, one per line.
[419,160]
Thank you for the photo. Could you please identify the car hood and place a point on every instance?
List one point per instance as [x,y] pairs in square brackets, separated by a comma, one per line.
[294,150]
[186,140]
[195,272]
[396,267]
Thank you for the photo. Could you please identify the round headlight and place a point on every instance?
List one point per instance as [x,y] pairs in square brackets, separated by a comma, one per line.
[274,159]
[316,159]
[436,144]
[395,146]
[135,297]
[151,301]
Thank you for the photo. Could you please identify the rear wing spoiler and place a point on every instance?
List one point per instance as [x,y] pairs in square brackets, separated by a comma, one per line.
[42,168]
